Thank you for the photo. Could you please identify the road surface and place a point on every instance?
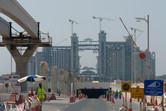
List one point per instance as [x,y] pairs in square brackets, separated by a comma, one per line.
[96,105]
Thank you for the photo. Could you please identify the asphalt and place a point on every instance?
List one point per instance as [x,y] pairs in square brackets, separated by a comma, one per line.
[62,104]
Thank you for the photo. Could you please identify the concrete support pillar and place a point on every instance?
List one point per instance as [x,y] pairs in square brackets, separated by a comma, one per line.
[44,72]
[54,79]
[22,61]
[67,83]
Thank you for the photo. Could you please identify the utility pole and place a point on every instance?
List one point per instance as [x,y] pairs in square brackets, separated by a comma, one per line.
[72,22]
[147,21]
[100,19]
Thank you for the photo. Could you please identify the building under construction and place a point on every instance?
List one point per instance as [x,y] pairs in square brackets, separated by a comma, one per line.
[116,60]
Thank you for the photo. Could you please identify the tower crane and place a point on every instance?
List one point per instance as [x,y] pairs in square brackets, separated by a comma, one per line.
[72,22]
[101,18]
[134,65]
[135,32]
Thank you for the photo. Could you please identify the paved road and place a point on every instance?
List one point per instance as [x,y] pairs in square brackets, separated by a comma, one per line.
[96,105]
[62,104]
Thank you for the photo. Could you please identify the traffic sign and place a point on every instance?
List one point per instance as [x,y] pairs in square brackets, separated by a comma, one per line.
[126,86]
[79,91]
[153,87]
[142,55]
[137,92]
[164,87]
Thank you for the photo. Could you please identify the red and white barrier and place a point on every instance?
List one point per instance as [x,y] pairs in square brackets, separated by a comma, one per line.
[140,106]
[151,100]
[6,106]
[145,100]
[123,101]
[155,109]
[156,103]
[113,100]
[53,97]
[71,99]
[130,106]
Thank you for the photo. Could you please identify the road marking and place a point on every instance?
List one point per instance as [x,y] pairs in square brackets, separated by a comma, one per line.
[58,110]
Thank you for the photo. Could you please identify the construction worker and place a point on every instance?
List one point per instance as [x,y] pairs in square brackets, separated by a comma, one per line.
[110,93]
[116,94]
[107,94]
[120,94]
[41,95]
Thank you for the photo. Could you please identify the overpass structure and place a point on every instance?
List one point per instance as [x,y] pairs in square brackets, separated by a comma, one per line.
[30,41]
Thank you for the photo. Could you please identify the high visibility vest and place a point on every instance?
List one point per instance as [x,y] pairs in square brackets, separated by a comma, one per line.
[107,92]
[110,93]
[120,93]
[40,93]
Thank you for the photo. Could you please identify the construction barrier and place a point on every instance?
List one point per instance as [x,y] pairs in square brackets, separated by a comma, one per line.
[145,100]
[12,99]
[6,106]
[138,100]
[113,100]
[20,100]
[151,100]
[53,97]
[140,106]
[31,93]
[130,106]
[71,99]
[156,103]
[155,109]
[110,99]
[37,104]
[123,101]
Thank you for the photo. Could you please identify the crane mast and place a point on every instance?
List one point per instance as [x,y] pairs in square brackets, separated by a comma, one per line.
[72,22]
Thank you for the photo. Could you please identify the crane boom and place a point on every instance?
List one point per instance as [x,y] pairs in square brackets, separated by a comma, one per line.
[101,18]
[136,29]
[72,21]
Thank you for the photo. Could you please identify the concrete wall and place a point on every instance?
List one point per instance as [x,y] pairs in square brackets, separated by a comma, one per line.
[64,82]
[54,79]
[44,72]
[103,85]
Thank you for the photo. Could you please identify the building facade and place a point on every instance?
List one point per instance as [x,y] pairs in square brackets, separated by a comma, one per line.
[115,61]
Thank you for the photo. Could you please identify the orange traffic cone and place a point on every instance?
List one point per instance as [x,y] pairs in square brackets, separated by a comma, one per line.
[156,102]
[130,108]
[155,109]
[113,100]
[110,99]
[37,104]
[151,100]
[123,100]
[145,100]
[71,98]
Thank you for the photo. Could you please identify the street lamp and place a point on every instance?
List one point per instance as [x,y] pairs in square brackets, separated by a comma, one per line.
[146,20]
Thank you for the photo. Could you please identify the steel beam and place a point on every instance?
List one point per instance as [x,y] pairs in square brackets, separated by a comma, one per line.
[16,12]
[4,28]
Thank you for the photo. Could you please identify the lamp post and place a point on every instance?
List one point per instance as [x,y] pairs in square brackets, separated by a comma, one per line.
[146,20]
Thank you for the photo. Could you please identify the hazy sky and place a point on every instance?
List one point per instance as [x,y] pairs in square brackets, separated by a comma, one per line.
[53,16]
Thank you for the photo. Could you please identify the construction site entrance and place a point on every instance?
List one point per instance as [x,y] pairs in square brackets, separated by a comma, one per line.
[92,93]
